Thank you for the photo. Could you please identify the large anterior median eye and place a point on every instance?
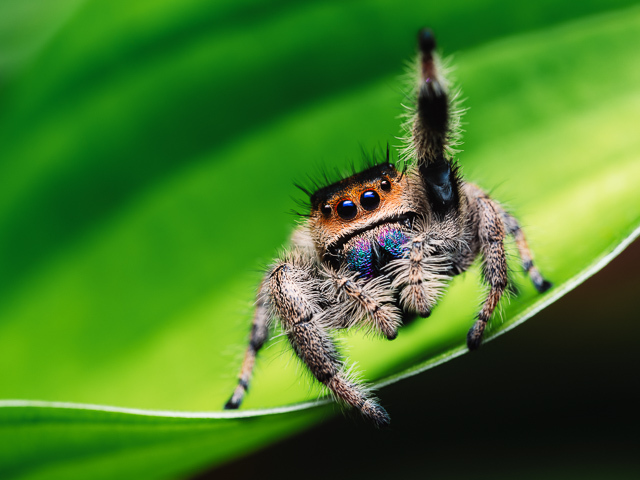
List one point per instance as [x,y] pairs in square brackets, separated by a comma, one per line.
[370,200]
[347,209]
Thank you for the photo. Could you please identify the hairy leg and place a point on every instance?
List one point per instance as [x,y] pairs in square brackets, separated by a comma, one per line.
[295,295]
[367,301]
[526,257]
[430,127]
[491,234]
[492,224]
[433,131]
[257,338]
[420,276]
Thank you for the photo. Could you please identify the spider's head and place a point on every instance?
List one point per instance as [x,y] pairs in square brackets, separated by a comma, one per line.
[364,201]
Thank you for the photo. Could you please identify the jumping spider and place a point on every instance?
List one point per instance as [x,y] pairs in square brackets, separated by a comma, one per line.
[380,246]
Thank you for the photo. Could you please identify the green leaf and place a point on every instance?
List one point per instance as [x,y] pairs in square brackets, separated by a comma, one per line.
[26,26]
[151,172]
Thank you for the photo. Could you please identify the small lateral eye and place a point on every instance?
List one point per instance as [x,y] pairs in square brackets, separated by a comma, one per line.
[369,200]
[326,210]
[385,185]
[347,209]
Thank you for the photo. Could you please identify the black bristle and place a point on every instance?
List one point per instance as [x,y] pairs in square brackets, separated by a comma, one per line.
[405,167]
[326,178]
[304,204]
[304,189]
[352,167]
[298,214]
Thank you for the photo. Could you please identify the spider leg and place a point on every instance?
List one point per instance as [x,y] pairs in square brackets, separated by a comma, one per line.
[296,299]
[433,131]
[257,338]
[431,122]
[491,234]
[369,300]
[420,276]
[513,228]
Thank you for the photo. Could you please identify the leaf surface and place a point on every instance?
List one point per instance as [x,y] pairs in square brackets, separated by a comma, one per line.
[142,207]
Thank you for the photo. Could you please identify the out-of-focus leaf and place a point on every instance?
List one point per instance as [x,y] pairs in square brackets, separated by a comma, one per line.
[25,28]
[128,238]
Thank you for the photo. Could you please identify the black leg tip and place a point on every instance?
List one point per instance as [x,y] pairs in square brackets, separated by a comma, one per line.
[425,313]
[426,40]
[383,421]
[473,344]
[474,338]
[544,286]
[376,414]
[232,404]
[392,335]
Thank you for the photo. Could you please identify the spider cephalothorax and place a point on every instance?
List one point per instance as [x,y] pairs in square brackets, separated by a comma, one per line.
[355,220]
[381,245]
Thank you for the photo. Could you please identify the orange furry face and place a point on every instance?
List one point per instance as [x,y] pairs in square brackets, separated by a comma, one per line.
[366,199]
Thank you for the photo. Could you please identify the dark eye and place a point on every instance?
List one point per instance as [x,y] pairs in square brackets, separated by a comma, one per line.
[385,185]
[326,210]
[347,209]
[369,200]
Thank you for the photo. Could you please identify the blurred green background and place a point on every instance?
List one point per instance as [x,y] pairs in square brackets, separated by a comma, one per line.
[148,155]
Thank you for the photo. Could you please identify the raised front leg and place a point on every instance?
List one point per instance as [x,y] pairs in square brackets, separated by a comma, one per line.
[434,130]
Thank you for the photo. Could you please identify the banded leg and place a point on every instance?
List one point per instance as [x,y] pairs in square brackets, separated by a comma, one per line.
[433,130]
[526,257]
[295,298]
[314,346]
[431,122]
[370,300]
[259,335]
[491,234]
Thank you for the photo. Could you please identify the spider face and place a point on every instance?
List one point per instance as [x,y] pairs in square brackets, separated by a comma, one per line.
[358,207]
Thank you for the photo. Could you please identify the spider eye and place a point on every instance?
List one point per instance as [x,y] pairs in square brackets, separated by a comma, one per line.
[347,209]
[326,210]
[385,185]
[370,200]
